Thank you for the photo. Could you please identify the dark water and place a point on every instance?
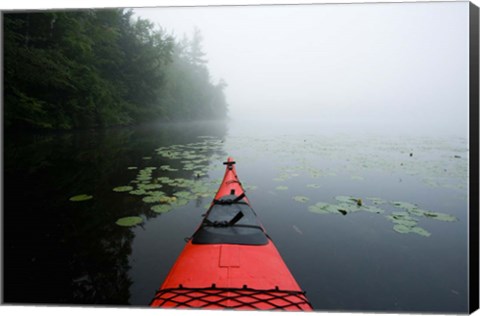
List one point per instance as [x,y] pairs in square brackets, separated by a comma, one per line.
[62,252]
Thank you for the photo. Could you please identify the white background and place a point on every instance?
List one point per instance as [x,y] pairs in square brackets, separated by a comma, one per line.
[47,4]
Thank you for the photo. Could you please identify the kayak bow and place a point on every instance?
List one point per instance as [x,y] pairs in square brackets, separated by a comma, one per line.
[230,262]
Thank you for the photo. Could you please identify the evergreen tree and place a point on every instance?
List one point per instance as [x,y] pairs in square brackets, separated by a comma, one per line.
[99,68]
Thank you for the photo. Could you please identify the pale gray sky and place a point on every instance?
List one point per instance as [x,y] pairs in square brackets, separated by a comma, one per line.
[390,63]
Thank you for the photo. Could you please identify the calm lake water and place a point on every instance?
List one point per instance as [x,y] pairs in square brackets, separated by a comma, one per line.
[403,249]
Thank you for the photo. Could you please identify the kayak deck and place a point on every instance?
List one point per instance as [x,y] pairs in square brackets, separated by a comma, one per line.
[231,276]
[230,262]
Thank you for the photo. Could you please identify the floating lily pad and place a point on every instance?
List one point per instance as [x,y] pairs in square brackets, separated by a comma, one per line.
[301,199]
[420,231]
[443,217]
[401,214]
[147,158]
[167,168]
[437,216]
[167,199]
[183,194]
[313,186]
[323,208]
[149,186]
[372,209]
[352,207]
[124,188]
[402,229]
[406,222]
[347,199]
[165,180]
[129,221]
[144,178]
[132,168]
[414,210]
[138,192]
[281,188]
[404,205]
[403,220]
[80,198]
[162,208]
[180,184]
[145,174]
[154,197]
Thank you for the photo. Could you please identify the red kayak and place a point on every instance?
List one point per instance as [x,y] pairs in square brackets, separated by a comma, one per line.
[230,262]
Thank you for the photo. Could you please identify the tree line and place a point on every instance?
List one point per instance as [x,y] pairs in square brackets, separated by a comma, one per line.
[101,68]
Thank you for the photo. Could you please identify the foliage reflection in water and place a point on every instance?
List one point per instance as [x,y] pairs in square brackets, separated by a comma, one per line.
[79,250]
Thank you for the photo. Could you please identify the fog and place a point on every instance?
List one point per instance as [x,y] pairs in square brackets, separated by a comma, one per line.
[389,66]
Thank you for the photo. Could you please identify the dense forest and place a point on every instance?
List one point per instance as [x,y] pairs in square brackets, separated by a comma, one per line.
[101,68]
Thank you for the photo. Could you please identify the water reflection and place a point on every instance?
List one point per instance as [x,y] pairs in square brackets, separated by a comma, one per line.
[350,260]
[62,252]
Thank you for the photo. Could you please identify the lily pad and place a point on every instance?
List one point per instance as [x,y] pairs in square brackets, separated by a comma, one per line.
[167,168]
[183,194]
[162,208]
[138,192]
[301,199]
[165,180]
[281,188]
[372,209]
[404,221]
[404,205]
[414,210]
[149,186]
[434,215]
[81,197]
[346,199]
[144,179]
[153,198]
[129,221]
[402,229]
[401,214]
[167,199]
[124,188]
[132,168]
[323,208]
[444,217]
[420,231]
[313,186]
[350,207]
